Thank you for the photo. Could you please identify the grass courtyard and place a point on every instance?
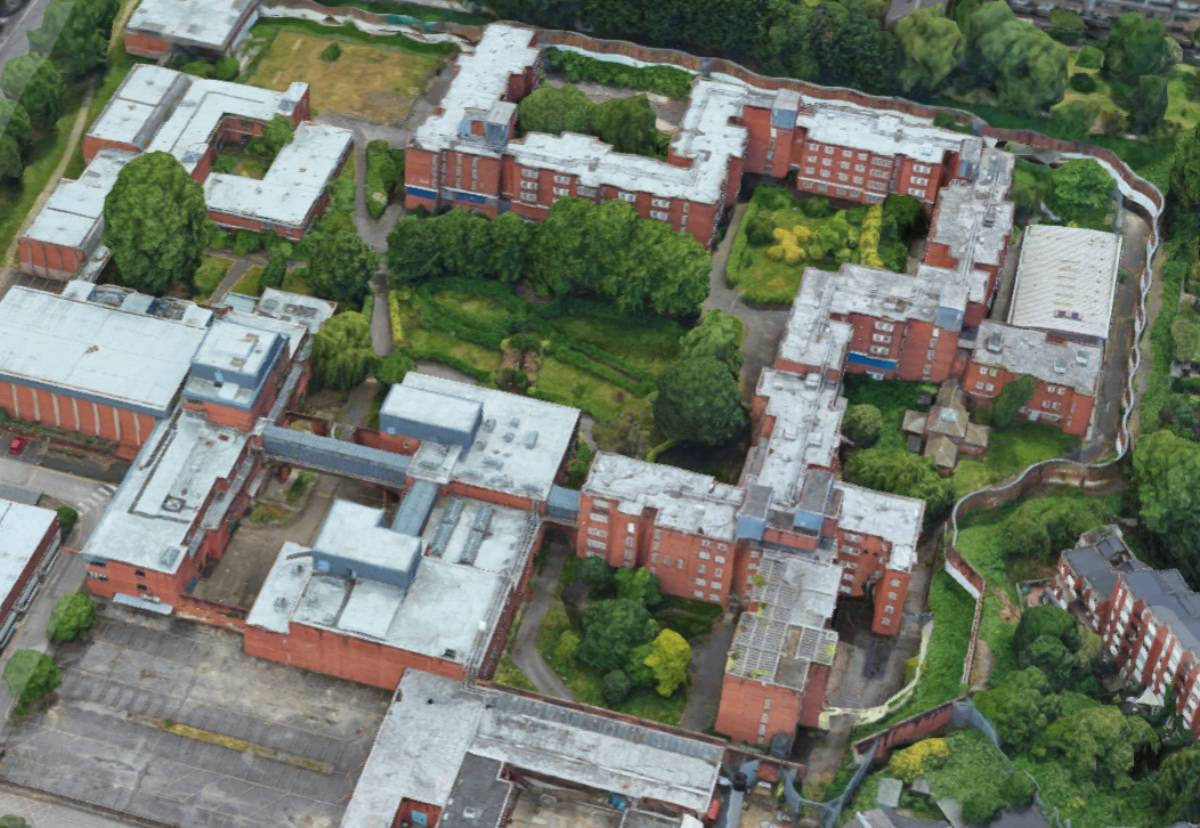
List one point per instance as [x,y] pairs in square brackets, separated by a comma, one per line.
[369,81]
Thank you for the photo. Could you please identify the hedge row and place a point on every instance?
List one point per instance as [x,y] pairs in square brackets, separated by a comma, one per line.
[385,172]
[665,80]
[568,349]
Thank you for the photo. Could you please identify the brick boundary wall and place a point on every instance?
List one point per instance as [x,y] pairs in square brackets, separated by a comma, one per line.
[212,613]
[914,728]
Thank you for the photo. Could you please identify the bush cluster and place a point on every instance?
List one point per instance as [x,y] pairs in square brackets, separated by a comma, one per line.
[385,172]
[663,80]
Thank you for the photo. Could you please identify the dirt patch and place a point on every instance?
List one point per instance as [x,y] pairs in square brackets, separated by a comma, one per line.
[369,82]
[982,667]
[1008,610]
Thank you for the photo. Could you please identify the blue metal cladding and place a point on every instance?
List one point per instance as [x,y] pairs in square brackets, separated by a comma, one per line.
[870,362]
[339,455]
[420,192]
[474,198]
[563,502]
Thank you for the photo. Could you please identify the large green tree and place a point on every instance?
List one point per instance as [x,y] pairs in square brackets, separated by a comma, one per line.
[1185,169]
[863,424]
[29,676]
[902,474]
[1177,786]
[1048,654]
[155,223]
[1166,474]
[75,33]
[342,355]
[1137,46]
[1027,69]
[342,267]
[719,335]
[1046,620]
[596,575]
[933,46]
[15,124]
[638,585]
[1021,707]
[611,629]
[72,616]
[509,236]
[556,110]
[1082,189]
[413,253]
[37,85]
[1101,743]
[670,656]
[629,124]
[699,401]
[394,367]
[1149,103]
[12,164]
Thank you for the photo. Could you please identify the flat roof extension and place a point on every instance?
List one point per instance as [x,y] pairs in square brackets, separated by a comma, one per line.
[22,530]
[206,24]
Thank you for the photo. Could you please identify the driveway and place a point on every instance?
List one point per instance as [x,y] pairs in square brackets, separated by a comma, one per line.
[272,745]
[764,328]
[524,650]
[41,810]
[708,673]
[88,497]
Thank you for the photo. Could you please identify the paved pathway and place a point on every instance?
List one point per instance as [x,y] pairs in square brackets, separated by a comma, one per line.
[381,320]
[524,651]
[237,271]
[764,328]
[708,673]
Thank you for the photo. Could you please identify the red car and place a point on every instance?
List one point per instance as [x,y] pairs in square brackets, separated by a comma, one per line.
[18,445]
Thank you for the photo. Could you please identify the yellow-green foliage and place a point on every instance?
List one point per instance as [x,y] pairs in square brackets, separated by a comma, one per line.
[394,315]
[910,763]
[788,248]
[868,239]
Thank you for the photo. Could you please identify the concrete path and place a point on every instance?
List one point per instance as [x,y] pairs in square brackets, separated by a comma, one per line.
[764,328]
[708,672]
[524,651]
[381,320]
[88,497]
[236,271]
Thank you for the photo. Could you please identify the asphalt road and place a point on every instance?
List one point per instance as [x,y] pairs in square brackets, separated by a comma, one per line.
[13,40]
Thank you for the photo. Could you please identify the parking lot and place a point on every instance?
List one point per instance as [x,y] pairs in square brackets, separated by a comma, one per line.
[277,746]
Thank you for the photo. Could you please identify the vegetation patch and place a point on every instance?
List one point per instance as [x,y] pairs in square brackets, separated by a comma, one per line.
[507,672]
[239,745]
[338,87]
[1010,451]
[249,282]
[212,270]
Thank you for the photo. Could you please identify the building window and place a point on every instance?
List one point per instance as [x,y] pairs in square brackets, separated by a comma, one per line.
[862,156]
[880,350]
[528,197]
[881,162]
[714,597]
[655,547]
[858,179]
[700,582]
[844,588]
[654,558]
[587,192]
[879,174]
[991,387]
[629,541]
[597,533]
[96,576]
[629,554]
[887,622]
[699,594]
[814,147]
[139,573]
[561,191]
[624,196]
[657,534]
[600,504]
[921,181]
[809,170]
[886,327]
[718,573]
[889,609]
[667,560]
[595,544]
[706,544]
[880,338]
[892,596]
[844,165]
[599,517]
[720,559]
[529,173]
[913,191]
[829,150]
[851,551]
[824,173]
[562,179]
[656,214]
[702,556]
[843,177]
[754,554]
[920,168]
[660,202]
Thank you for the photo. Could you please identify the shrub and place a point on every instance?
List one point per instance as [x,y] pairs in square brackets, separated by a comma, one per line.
[199,68]
[1084,83]
[1090,58]
[926,755]
[1011,398]
[247,242]
[67,518]
[665,80]
[225,164]
[863,425]
[72,616]
[761,230]
[382,176]
[331,52]
[615,688]
[29,676]
[277,245]
[394,367]
[817,207]
[596,575]
[227,68]
[274,273]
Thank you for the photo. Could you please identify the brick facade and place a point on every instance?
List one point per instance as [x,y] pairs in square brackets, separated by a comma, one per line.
[35,405]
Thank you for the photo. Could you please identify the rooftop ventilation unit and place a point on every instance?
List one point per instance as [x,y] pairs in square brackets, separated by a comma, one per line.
[995,342]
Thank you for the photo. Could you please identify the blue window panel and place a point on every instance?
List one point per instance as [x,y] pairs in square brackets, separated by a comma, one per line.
[870,362]
[471,197]
[420,192]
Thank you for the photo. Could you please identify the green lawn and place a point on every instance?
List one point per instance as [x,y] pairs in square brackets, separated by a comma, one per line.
[296,281]
[892,398]
[652,349]
[212,271]
[1010,451]
[584,390]
[248,284]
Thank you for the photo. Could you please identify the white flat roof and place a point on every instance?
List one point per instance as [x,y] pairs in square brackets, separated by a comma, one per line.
[140,105]
[22,530]
[297,308]
[208,24]
[686,501]
[1023,351]
[519,453]
[74,215]
[807,432]
[418,750]
[91,351]
[975,214]
[356,532]
[881,134]
[295,181]
[891,517]
[1066,280]
[146,524]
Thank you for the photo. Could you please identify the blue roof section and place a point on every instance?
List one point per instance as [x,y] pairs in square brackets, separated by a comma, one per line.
[566,500]
[349,458]
[870,362]
[415,508]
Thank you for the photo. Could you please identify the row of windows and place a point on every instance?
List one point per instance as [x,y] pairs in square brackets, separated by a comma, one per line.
[1060,390]
[916,192]
[984,386]
[886,327]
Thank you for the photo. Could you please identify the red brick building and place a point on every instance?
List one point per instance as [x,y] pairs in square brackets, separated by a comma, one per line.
[160,110]
[206,28]
[1067,374]
[466,155]
[30,538]
[1149,619]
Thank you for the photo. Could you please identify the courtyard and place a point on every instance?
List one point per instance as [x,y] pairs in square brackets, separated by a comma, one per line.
[169,720]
